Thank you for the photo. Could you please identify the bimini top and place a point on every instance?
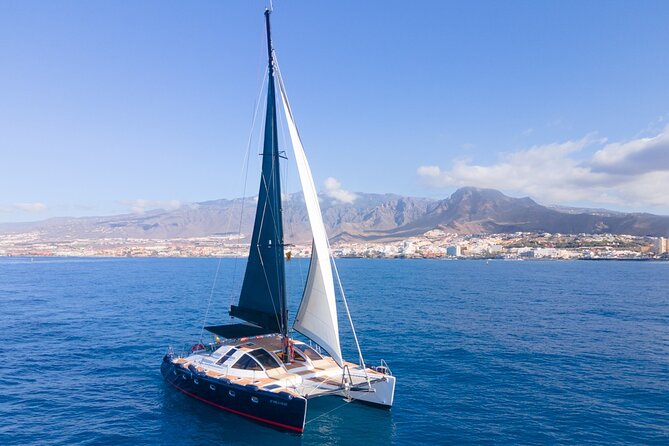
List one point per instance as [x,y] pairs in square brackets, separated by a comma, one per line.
[236,331]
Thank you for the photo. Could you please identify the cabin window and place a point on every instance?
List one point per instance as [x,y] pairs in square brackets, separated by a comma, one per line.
[310,352]
[265,359]
[297,356]
[226,356]
[246,362]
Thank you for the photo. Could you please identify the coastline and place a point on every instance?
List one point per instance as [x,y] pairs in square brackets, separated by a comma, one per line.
[461,259]
[434,244]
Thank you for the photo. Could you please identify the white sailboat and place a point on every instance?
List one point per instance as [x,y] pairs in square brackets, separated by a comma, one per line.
[258,370]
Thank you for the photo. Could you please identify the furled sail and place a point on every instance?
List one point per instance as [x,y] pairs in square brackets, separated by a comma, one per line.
[263,296]
[317,316]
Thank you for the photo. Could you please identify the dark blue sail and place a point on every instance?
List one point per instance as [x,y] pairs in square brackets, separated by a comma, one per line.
[263,296]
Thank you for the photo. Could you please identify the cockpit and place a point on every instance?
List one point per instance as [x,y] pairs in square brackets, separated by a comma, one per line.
[258,359]
[265,356]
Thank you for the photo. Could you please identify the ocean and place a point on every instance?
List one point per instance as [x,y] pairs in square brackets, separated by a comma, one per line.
[499,352]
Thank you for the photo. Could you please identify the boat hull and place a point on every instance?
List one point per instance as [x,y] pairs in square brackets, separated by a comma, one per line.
[382,393]
[280,410]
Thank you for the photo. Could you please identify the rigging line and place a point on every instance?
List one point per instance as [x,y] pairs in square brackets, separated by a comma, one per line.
[271,298]
[348,313]
[272,210]
[291,226]
[320,383]
[245,165]
[262,262]
[278,253]
[274,222]
[285,95]
[328,412]
[284,98]
[213,286]
[245,171]
[299,307]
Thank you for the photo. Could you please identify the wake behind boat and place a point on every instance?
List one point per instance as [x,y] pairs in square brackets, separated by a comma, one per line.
[258,370]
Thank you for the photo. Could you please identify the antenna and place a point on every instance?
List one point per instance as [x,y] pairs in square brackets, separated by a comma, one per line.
[269,42]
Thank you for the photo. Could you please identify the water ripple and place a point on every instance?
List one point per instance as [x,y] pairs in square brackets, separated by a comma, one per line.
[506,352]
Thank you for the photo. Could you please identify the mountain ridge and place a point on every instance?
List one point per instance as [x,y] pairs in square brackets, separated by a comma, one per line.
[376,217]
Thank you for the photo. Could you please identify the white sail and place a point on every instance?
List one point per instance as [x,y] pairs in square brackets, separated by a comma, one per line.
[317,316]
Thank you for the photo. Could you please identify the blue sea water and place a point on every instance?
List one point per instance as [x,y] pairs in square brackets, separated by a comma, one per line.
[485,353]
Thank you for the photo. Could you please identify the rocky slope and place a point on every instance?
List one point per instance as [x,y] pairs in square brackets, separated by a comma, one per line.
[369,217]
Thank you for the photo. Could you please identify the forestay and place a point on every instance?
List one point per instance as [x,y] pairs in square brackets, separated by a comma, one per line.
[317,315]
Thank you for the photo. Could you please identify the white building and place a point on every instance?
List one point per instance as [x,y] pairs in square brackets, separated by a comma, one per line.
[453,251]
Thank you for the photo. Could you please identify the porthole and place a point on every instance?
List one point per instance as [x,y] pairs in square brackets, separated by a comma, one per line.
[254,399]
[212,387]
[231,393]
[196,381]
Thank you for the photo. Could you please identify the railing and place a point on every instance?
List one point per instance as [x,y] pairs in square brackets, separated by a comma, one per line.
[384,368]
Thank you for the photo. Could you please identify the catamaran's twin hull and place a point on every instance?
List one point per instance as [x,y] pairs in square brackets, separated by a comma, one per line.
[275,401]
[381,392]
[280,410]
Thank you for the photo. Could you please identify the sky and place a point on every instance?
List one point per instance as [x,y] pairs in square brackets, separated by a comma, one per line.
[112,107]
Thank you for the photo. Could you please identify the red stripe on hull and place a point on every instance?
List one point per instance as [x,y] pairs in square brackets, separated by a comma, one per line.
[253,417]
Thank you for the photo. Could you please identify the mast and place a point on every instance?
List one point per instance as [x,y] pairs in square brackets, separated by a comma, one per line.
[270,55]
[284,298]
[263,297]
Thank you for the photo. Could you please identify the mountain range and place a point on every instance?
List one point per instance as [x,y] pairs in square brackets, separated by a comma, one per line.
[370,217]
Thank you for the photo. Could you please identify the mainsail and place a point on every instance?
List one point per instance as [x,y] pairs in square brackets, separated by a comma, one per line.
[317,316]
[263,296]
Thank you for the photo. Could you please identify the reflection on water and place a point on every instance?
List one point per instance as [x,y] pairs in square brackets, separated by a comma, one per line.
[189,421]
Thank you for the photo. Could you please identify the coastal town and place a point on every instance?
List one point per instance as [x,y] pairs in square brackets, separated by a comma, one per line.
[433,244]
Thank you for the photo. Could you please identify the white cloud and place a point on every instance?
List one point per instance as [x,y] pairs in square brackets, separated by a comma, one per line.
[139,206]
[641,155]
[334,190]
[430,172]
[632,174]
[31,207]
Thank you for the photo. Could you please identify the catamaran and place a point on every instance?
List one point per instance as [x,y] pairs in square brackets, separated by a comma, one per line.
[255,368]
